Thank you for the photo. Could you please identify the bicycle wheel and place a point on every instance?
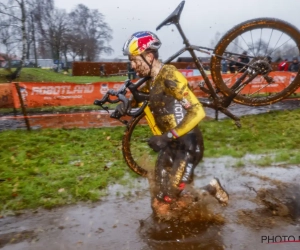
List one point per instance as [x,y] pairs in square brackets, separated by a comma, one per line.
[138,155]
[264,41]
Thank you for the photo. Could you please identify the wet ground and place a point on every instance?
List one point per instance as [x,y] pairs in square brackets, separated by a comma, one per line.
[264,203]
[100,118]
[264,208]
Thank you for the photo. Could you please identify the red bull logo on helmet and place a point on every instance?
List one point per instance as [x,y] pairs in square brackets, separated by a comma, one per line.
[139,42]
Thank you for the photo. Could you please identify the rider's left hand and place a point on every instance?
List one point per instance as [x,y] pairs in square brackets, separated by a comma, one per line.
[158,142]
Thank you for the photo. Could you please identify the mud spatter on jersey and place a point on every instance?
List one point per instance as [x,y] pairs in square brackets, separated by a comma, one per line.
[174,105]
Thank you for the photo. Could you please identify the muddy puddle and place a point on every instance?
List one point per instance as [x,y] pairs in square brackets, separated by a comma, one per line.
[264,203]
[100,118]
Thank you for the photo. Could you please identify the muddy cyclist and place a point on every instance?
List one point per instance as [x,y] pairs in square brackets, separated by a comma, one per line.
[177,113]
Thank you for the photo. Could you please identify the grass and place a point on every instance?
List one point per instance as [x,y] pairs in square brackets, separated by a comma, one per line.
[259,134]
[56,109]
[55,166]
[47,75]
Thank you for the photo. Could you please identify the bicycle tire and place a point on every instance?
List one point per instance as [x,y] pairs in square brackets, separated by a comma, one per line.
[259,59]
[137,165]
[142,161]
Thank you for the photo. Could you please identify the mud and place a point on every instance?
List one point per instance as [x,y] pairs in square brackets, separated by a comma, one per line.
[264,202]
[100,118]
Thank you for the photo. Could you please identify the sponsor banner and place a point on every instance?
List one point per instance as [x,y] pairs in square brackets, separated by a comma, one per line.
[281,80]
[72,94]
[61,94]
[194,82]
[187,72]
[196,72]
[6,97]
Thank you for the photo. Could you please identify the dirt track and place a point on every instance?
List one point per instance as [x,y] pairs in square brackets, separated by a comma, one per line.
[100,118]
[263,202]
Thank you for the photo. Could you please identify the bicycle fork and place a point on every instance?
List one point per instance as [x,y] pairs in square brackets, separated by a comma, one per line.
[216,104]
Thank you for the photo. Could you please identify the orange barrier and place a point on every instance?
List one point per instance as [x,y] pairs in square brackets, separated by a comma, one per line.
[187,72]
[6,97]
[282,80]
[71,94]
[61,94]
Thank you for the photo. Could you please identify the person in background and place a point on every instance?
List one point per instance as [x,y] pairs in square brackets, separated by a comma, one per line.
[283,66]
[224,64]
[130,71]
[231,65]
[102,70]
[294,66]
[242,60]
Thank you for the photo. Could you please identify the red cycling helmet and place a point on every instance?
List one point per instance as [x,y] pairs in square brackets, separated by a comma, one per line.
[139,42]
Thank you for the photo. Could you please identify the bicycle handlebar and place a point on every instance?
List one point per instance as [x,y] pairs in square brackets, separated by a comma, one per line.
[218,105]
[120,94]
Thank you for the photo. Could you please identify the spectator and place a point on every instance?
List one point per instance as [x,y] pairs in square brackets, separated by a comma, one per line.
[224,64]
[102,70]
[294,67]
[130,71]
[283,66]
[232,65]
[242,60]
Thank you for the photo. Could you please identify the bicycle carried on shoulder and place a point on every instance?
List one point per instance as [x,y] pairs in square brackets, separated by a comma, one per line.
[262,39]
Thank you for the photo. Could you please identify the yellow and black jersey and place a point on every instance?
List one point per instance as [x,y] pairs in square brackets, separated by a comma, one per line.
[173,104]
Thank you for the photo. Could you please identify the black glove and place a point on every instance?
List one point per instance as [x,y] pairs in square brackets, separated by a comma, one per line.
[121,110]
[158,142]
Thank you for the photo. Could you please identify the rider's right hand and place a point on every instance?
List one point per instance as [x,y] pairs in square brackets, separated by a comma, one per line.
[121,109]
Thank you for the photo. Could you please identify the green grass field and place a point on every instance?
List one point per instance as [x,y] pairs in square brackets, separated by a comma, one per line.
[51,167]
[47,75]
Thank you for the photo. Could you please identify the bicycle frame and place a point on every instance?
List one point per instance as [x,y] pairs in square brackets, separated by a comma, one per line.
[219,104]
[191,49]
[174,19]
[248,71]
[151,121]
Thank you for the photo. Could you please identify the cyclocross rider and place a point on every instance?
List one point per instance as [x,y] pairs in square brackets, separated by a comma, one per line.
[177,113]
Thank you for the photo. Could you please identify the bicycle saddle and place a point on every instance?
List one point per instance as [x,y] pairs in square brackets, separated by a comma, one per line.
[174,17]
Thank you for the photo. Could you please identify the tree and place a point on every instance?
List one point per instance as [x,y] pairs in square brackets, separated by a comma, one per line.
[73,48]
[17,16]
[91,31]
[215,40]
[56,31]
[8,38]
[36,10]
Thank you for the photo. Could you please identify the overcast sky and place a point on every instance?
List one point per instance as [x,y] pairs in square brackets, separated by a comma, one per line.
[200,19]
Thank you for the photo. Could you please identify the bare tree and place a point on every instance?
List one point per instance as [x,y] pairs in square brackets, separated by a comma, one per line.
[215,40]
[55,28]
[40,10]
[92,32]
[8,40]
[38,25]
[16,11]
[289,51]
[73,48]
